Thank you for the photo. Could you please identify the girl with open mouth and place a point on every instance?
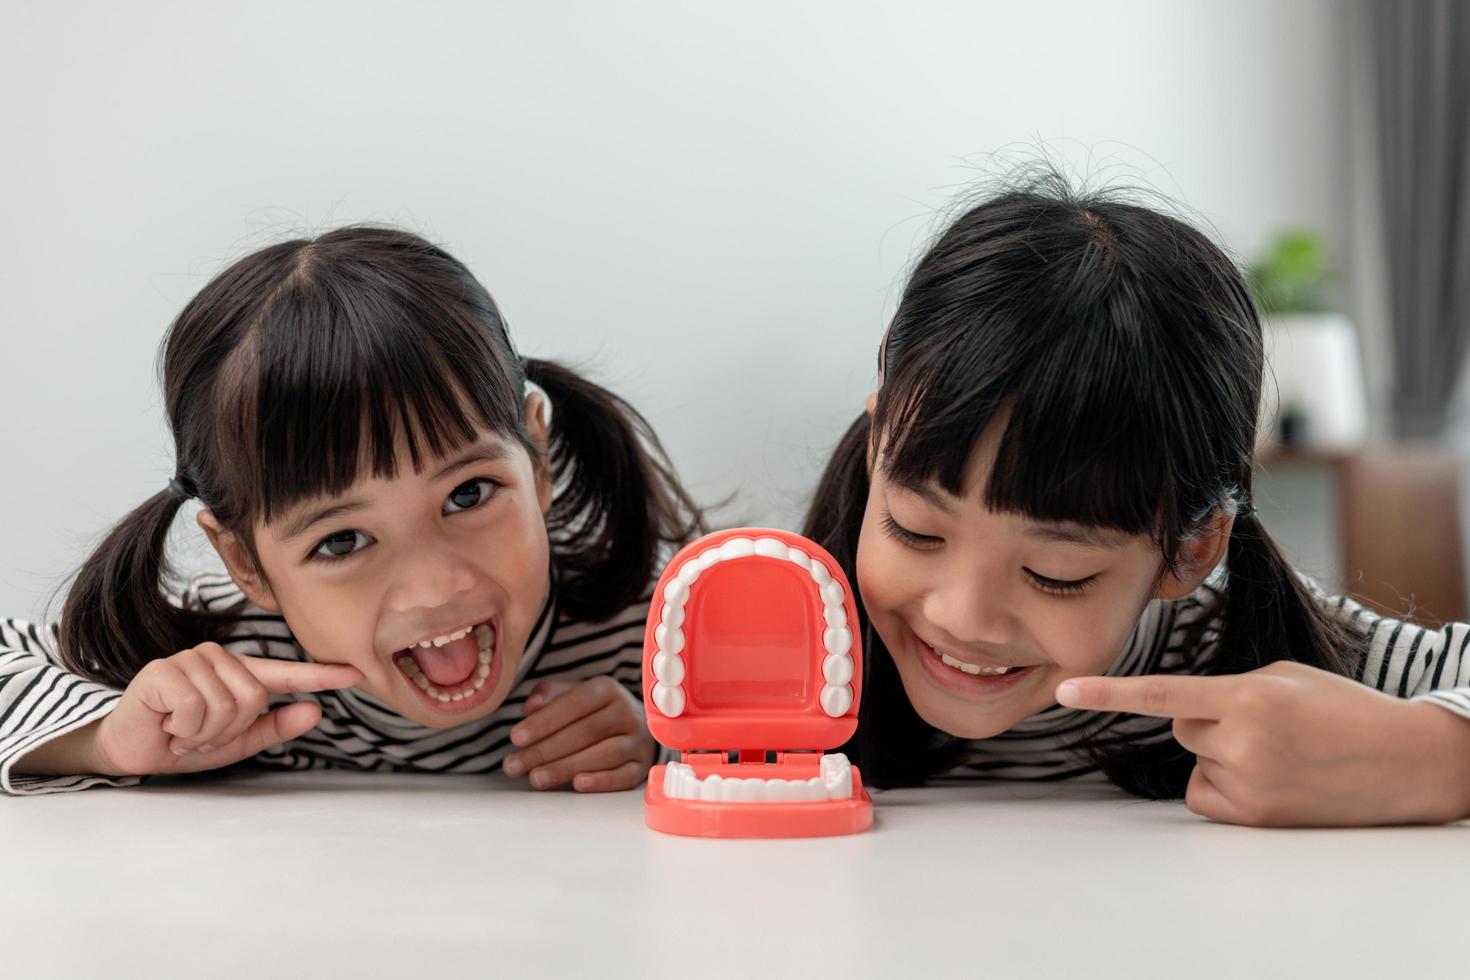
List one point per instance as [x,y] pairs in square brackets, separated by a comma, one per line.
[438,552]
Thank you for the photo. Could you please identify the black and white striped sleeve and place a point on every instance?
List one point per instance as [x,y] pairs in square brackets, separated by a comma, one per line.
[41,700]
[1411,661]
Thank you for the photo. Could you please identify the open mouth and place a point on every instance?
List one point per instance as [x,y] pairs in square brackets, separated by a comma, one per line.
[454,672]
[966,676]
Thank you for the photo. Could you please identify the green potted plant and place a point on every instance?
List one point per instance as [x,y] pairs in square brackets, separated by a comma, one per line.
[1313,396]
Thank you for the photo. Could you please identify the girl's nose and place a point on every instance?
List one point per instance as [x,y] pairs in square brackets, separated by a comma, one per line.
[973,609]
[430,577]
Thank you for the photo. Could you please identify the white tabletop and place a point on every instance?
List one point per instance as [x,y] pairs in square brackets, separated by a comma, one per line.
[342,874]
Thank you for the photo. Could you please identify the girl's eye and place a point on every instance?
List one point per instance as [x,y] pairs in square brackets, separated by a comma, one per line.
[895,530]
[471,493]
[1060,586]
[341,545]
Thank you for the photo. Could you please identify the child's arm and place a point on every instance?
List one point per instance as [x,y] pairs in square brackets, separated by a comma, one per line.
[1293,745]
[41,703]
[60,731]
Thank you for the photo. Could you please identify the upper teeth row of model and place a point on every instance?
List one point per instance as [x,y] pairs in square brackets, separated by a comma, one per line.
[668,666]
[833,782]
[485,640]
[971,668]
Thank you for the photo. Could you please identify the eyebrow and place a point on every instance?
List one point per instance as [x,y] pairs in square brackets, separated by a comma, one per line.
[924,491]
[1066,533]
[1062,532]
[481,453]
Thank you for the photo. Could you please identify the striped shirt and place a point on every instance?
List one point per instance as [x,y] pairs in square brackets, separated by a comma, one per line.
[1403,659]
[40,700]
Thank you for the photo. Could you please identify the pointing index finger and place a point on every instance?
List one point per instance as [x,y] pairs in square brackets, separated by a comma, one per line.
[299,677]
[1152,694]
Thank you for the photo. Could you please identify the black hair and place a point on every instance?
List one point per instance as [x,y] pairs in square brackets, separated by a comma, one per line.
[1122,352]
[298,366]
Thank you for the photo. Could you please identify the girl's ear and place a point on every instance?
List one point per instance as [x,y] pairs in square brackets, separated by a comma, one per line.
[238,563]
[537,417]
[1197,557]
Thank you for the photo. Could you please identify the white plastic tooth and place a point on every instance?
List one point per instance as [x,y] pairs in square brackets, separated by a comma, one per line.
[671,778]
[709,787]
[675,592]
[836,616]
[815,790]
[837,640]
[669,669]
[669,699]
[691,784]
[737,548]
[770,548]
[798,557]
[672,616]
[669,639]
[819,573]
[837,669]
[836,773]
[832,593]
[689,572]
[708,557]
[836,699]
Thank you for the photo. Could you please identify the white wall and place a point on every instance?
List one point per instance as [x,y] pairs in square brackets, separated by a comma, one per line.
[710,206]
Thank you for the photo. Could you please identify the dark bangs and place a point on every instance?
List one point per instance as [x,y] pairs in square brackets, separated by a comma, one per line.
[367,335]
[1040,316]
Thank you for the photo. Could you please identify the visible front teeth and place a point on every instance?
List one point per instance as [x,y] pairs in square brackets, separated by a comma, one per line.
[833,782]
[484,640]
[972,668]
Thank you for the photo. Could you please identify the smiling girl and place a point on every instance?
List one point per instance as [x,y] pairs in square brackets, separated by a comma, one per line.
[438,552]
[1048,500]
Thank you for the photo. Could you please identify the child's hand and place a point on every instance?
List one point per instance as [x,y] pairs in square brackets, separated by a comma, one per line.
[591,735]
[201,709]
[1291,745]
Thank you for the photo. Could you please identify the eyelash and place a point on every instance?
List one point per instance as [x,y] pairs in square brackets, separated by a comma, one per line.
[316,554]
[901,534]
[927,542]
[1059,587]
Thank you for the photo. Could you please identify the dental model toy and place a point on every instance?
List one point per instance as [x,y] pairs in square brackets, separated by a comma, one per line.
[752,650]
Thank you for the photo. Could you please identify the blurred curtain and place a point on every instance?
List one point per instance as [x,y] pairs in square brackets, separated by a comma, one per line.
[1422,53]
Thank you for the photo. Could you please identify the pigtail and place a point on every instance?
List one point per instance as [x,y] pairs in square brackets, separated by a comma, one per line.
[836,514]
[1272,613]
[116,617]
[892,744]
[617,500]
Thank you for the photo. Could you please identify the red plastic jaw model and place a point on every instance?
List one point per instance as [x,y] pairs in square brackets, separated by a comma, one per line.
[751,648]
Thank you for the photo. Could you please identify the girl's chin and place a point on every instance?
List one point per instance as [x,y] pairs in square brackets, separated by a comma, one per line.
[963,714]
